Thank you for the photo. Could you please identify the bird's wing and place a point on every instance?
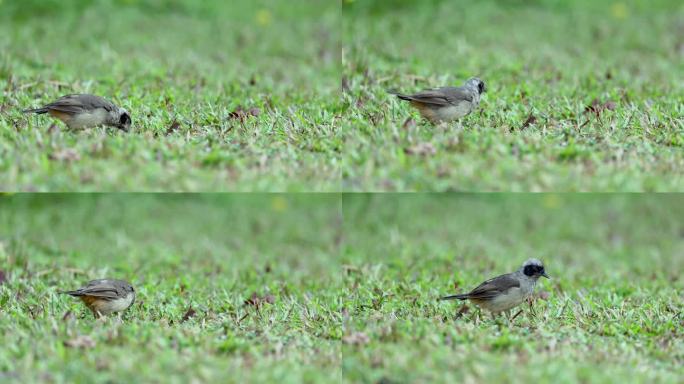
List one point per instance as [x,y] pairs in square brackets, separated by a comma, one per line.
[106,289]
[73,104]
[442,96]
[494,287]
[92,102]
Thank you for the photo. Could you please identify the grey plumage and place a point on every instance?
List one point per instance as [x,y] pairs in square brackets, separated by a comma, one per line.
[104,288]
[446,104]
[105,296]
[80,111]
[76,103]
[489,289]
[507,291]
[439,96]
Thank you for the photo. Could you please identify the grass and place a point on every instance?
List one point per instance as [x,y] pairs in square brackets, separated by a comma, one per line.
[182,68]
[194,261]
[612,313]
[185,69]
[352,282]
[544,62]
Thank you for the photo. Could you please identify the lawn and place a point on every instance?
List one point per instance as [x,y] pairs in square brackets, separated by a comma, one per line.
[291,96]
[195,262]
[613,311]
[582,95]
[314,288]
[224,95]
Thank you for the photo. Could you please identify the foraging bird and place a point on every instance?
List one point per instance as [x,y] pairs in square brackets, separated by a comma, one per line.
[86,111]
[446,104]
[105,296]
[502,293]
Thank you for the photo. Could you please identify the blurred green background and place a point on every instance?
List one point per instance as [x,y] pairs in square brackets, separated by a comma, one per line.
[194,261]
[613,310]
[635,231]
[175,42]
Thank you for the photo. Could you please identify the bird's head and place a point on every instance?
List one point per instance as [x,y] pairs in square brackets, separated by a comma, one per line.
[123,120]
[477,84]
[533,268]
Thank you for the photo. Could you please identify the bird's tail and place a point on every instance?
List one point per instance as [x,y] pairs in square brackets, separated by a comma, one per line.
[399,95]
[37,110]
[70,293]
[462,296]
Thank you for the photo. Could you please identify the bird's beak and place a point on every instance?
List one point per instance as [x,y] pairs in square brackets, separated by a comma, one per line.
[545,275]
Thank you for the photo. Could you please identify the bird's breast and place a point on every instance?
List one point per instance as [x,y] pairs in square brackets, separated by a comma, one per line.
[88,119]
[105,307]
[506,301]
[454,111]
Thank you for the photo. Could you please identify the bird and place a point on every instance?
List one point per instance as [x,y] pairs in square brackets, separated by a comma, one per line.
[105,296]
[505,292]
[80,111]
[446,104]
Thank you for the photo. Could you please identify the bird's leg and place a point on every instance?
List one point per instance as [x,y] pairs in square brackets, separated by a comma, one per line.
[516,315]
[100,317]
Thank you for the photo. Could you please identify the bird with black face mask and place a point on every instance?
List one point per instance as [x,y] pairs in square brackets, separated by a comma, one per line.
[446,104]
[82,111]
[105,296]
[505,292]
